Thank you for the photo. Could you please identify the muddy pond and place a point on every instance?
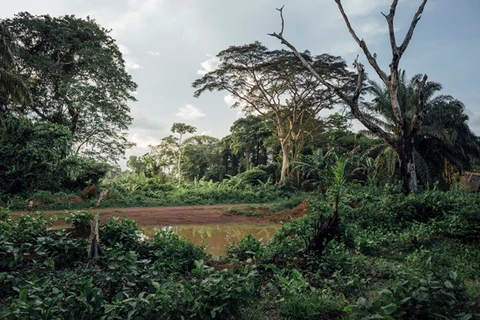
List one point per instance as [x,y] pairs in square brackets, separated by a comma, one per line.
[216,238]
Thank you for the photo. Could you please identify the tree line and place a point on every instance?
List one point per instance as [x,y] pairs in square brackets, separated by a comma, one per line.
[64,95]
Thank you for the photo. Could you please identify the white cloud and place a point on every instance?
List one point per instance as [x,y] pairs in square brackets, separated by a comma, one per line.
[137,11]
[155,53]
[130,65]
[142,140]
[207,133]
[190,112]
[229,100]
[240,114]
[208,65]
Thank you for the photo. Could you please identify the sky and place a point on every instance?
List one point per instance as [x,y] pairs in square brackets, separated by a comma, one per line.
[167,44]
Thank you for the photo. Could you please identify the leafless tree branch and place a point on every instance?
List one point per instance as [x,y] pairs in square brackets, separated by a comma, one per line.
[351,102]
[413,24]
[371,59]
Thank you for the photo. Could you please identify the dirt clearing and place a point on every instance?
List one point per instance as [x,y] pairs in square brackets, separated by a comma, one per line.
[183,215]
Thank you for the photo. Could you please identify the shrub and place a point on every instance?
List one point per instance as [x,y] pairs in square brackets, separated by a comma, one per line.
[254,177]
[172,252]
[246,248]
[80,219]
[414,297]
[122,231]
[4,214]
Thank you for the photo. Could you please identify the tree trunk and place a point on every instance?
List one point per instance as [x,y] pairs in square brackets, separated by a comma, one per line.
[285,161]
[408,174]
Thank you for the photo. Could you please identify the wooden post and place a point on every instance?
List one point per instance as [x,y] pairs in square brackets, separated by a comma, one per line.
[94,239]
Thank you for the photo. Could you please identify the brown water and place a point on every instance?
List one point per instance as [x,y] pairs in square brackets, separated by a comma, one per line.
[217,237]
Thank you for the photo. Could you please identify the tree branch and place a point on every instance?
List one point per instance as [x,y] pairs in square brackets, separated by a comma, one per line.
[371,59]
[391,29]
[413,24]
[352,103]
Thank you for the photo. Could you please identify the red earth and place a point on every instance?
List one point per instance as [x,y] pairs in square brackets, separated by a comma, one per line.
[185,215]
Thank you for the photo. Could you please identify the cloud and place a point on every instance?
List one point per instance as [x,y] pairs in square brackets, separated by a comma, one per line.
[362,8]
[207,133]
[130,65]
[142,140]
[229,100]
[208,65]
[190,112]
[136,13]
[474,123]
[155,53]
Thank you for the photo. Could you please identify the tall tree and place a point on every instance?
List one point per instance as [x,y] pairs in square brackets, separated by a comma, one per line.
[274,84]
[201,155]
[12,87]
[77,78]
[181,129]
[406,126]
[248,140]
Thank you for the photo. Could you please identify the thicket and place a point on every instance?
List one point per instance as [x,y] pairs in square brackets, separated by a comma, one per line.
[397,257]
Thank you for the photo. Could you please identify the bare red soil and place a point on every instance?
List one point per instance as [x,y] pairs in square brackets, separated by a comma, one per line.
[186,215]
[170,216]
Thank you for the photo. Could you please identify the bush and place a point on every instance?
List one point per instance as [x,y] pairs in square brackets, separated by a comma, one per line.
[246,248]
[80,219]
[171,252]
[254,177]
[122,231]
[415,297]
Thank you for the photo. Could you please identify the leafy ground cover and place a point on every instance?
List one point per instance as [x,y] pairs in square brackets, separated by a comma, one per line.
[151,194]
[397,257]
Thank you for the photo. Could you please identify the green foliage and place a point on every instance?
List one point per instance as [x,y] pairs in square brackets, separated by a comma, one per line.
[80,219]
[246,248]
[4,214]
[254,177]
[443,138]
[415,297]
[138,190]
[31,154]
[372,271]
[120,231]
[77,64]
[172,252]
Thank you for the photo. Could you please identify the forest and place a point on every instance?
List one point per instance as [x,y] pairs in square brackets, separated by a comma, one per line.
[393,222]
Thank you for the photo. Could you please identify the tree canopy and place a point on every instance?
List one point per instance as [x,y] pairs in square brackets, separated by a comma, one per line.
[76,76]
[274,84]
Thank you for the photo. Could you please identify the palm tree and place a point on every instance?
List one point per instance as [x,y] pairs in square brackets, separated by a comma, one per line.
[12,88]
[442,144]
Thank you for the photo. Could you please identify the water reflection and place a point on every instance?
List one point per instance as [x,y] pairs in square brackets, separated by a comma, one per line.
[217,237]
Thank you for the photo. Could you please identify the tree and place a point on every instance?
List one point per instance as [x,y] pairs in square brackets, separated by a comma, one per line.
[77,78]
[201,154]
[443,139]
[165,154]
[406,126]
[274,84]
[136,164]
[248,140]
[181,129]
[12,87]
[31,155]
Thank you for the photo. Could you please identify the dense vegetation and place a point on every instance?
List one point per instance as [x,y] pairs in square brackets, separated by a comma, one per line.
[389,233]
[398,257]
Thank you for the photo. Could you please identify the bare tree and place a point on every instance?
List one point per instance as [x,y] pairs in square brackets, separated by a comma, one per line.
[406,125]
